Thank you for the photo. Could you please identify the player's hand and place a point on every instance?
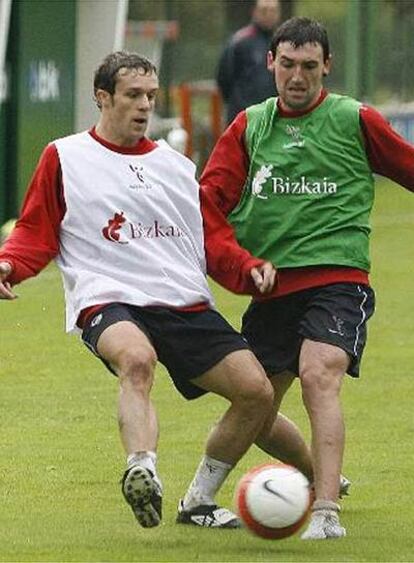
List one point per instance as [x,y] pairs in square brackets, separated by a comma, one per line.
[264,277]
[5,287]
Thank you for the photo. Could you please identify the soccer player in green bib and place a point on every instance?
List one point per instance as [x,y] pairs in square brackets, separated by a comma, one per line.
[287,195]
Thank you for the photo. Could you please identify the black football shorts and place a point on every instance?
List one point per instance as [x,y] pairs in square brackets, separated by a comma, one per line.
[188,344]
[334,314]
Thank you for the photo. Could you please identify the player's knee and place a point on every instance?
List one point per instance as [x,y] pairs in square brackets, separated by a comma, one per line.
[321,369]
[319,380]
[136,367]
[257,395]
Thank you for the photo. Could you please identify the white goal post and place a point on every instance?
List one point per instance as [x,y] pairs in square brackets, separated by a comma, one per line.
[5,9]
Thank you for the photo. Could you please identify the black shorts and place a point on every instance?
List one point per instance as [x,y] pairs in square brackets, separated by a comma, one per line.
[187,343]
[334,314]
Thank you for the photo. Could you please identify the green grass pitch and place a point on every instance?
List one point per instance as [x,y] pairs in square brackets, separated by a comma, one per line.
[61,458]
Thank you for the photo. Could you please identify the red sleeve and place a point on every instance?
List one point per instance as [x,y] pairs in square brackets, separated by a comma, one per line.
[226,170]
[388,153]
[221,186]
[35,239]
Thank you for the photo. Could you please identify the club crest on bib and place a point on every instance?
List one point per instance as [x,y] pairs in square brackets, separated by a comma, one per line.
[138,172]
[296,137]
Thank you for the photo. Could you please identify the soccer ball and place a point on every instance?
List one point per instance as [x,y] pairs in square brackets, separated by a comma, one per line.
[273,500]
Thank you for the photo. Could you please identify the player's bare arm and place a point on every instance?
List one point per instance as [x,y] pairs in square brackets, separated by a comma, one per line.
[264,277]
[5,287]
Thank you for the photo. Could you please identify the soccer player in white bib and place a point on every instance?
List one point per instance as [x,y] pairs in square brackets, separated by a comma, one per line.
[121,216]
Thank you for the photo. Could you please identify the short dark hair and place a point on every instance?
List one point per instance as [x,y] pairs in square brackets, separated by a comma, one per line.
[106,74]
[299,31]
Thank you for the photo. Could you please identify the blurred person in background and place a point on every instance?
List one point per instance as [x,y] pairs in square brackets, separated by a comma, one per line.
[291,182]
[242,76]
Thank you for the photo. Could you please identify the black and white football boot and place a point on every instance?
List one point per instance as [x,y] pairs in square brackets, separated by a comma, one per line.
[143,493]
[207,516]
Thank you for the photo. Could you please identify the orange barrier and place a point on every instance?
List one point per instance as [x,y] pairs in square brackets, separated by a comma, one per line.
[185,94]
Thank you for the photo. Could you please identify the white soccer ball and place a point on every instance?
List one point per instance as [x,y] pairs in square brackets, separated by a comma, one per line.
[273,500]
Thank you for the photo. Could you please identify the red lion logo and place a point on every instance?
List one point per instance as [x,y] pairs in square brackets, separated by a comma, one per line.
[114,225]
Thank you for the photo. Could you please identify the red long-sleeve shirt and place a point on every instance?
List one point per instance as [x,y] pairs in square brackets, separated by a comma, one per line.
[222,183]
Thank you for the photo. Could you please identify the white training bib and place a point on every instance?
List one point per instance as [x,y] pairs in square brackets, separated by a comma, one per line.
[133,231]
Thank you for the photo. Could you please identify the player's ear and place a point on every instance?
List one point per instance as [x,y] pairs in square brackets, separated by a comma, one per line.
[102,98]
[270,61]
[327,66]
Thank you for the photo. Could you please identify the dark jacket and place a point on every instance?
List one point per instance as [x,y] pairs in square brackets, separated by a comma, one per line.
[242,76]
